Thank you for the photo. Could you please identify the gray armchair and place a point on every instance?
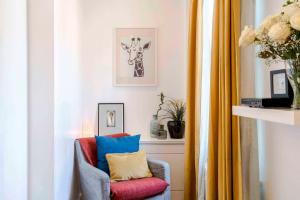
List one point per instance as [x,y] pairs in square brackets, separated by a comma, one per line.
[95,184]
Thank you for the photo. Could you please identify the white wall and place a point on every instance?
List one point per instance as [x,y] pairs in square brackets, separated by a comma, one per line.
[41,99]
[13,100]
[68,95]
[72,81]
[99,18]
[279,145]
[83,71]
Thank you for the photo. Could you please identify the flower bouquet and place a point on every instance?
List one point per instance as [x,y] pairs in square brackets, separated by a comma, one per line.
[278,38]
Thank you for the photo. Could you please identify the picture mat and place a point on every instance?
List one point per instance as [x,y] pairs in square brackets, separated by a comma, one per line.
[102,119]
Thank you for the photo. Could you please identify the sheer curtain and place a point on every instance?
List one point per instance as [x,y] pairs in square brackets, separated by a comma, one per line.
[249,134]
[205,94]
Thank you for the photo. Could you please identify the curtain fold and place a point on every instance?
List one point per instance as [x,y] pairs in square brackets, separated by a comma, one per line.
[224,149]
[192,131]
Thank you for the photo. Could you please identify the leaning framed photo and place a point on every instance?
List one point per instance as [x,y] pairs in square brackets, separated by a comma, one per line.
[280,86]
[110,118]
[135,57]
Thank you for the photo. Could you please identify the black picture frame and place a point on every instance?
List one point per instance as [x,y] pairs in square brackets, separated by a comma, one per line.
[288,89]
[111,104]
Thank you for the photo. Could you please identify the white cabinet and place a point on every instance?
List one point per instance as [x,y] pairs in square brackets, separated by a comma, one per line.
[171,151]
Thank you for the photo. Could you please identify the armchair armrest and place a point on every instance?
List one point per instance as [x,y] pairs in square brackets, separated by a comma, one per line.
[160,169]
[94,183]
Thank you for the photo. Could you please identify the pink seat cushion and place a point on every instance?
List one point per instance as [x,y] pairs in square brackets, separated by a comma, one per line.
[137,189]
[89,148]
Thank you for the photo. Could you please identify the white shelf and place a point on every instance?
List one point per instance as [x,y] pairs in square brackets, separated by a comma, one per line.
[280,115]
[150,140]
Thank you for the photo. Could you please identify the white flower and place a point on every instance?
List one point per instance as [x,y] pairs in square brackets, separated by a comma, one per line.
[291,10]
[266,25]
[279,32]
[247,37]
[295,21]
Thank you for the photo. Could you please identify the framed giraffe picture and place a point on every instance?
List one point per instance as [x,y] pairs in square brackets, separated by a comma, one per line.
[135,57]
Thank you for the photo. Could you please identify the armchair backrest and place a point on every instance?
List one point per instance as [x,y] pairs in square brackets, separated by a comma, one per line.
[89,147]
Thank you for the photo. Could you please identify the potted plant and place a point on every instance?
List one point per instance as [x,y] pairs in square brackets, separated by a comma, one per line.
[278,37]
[175,110]
[154,124]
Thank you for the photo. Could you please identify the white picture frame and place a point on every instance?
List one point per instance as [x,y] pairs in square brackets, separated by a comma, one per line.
[135,57]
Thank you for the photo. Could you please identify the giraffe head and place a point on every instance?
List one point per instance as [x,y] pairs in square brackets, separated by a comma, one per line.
[135,50]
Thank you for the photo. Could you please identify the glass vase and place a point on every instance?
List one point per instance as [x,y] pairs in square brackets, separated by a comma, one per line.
[293,74]
[162,133]
[154,126]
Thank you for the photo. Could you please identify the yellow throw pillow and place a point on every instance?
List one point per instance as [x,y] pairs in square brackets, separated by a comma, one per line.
[126,166]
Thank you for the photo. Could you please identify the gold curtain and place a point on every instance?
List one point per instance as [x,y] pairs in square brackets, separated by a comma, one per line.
[193,101]
[224,153]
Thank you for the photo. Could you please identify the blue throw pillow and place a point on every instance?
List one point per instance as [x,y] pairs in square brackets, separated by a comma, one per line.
[126,144]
